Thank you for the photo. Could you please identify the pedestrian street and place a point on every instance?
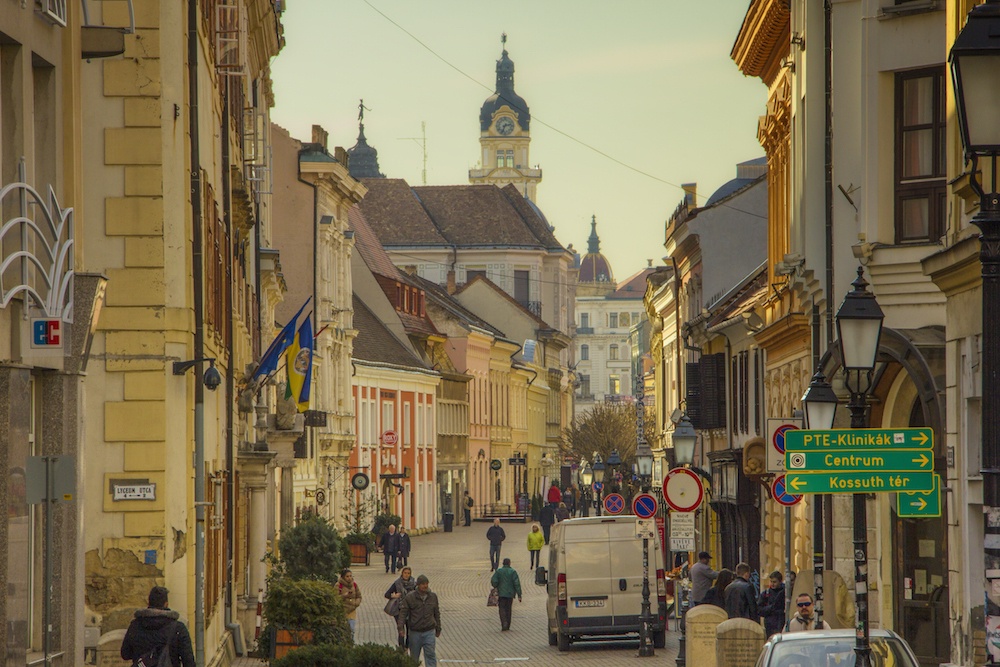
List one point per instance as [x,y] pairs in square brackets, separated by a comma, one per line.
[458,566]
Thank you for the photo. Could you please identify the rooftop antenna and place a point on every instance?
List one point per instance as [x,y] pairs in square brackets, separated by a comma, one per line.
[422,142]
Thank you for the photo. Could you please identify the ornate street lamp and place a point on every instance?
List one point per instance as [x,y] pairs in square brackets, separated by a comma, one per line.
[614,462]
[586,479]
[599,478]
[683,439]
[820,403]
[975,67]
[859,327]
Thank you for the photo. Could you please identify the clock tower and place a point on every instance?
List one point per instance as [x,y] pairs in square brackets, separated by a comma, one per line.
[504,136]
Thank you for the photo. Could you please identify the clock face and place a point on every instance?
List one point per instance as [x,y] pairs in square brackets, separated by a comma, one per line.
[505,125]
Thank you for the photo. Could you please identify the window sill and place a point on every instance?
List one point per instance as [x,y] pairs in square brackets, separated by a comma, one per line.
[908,9]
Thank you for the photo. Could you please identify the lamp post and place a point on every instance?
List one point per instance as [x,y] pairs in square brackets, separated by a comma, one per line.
[644,466]
[820,403]
[599,478]
[683,439]
[586,479]
[859,326]
[975,62]
[614,462]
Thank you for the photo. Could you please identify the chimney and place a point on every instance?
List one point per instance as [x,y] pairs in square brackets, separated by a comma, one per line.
[340,155]
[451,282]
[690,193]
[319,136]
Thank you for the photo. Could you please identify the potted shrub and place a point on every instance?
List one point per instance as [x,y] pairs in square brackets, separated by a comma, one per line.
[361,545]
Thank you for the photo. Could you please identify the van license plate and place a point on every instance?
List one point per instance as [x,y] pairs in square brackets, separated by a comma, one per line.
[589,603]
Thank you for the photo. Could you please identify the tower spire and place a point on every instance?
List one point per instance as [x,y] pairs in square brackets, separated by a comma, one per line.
[594,241]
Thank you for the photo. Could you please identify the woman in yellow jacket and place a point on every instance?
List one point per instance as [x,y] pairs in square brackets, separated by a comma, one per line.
[535,542]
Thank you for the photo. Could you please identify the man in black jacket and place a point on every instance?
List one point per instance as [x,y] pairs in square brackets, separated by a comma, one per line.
[741,602]
[155,629]
[547,517]
[496,536]
[390,547]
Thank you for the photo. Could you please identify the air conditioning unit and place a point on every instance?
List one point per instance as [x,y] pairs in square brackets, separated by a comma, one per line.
[53,11]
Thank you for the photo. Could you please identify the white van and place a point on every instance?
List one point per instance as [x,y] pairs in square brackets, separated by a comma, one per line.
[594,580]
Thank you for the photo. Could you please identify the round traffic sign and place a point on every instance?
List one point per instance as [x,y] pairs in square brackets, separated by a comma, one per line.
[683,490]
[644,505]
[780,493]
[390,438]
[614,503]
[778,440]
[598,486]
[360,481]
[495,464]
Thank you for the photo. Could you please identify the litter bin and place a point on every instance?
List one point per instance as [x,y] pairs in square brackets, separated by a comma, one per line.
[449,521]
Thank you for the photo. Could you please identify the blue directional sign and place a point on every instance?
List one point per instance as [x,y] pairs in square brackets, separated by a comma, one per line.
[644,506]
[614,503]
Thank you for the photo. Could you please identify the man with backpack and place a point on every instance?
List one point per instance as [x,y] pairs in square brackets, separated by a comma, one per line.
[155,637]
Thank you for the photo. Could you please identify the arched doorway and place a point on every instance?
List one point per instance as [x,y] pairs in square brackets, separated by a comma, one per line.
[908,392]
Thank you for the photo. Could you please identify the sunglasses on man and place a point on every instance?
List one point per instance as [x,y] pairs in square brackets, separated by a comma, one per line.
[804,604]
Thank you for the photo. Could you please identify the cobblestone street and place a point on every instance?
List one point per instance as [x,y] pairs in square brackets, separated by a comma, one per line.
[458,567]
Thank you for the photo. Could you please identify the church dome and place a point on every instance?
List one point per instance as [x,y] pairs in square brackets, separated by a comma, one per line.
[504,95]
[363,159]
[595,267]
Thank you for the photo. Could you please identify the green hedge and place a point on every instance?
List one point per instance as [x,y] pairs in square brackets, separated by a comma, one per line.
[305,604]
[329,655]
[312,549]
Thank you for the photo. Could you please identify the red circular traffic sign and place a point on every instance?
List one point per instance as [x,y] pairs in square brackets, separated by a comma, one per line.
[683,490]
[644,505]
[390,438]
[778,440]
[614,503]
[780,492]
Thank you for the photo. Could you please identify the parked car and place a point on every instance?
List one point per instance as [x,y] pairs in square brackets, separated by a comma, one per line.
[834,648]
[595,580]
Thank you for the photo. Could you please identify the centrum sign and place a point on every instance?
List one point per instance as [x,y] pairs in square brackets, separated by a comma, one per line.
[895,460]
[859,438]
[858,482]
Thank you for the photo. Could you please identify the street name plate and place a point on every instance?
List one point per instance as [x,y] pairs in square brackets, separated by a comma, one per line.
[859,438]
[858,482]
[861,460]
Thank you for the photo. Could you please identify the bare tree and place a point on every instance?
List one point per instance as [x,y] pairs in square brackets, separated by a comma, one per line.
[603,428]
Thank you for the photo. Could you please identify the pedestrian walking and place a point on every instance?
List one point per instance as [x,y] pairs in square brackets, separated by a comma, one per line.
[389,543]
[805,618]
[717,593]
[702,576]
[350,595]
[420,619]
[771,604]
[535,542]
[496,536]
[404,547]
[404,584]
[547,517]
[508,584]
[156,629]
[567,499]
[554,495]
[740,599]
[562,512]
[467,506]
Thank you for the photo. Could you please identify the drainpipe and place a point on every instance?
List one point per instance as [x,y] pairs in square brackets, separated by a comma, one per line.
[227,214]
[827,512]
[197,280]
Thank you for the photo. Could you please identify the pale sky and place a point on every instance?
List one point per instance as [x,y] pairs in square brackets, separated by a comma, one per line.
[647,82]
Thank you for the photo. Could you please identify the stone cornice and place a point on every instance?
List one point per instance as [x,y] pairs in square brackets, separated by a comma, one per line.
[789,330]
[957,268]
[763,39]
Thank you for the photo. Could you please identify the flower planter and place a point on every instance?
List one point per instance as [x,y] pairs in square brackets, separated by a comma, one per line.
[288,640]
[359,554]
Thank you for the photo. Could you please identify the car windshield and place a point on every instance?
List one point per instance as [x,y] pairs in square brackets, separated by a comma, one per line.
[837,652]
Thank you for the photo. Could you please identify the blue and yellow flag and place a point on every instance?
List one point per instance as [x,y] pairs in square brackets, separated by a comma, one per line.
[298,362]
[269,360]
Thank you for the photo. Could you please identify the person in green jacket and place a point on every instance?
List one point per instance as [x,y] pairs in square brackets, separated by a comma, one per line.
[535,543]
[508,584]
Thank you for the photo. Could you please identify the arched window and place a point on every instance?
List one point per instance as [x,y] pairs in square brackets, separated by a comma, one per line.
[584,352]
[613,353]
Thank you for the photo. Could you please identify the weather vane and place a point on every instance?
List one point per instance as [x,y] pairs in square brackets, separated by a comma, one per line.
[361,110]
[503,40]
